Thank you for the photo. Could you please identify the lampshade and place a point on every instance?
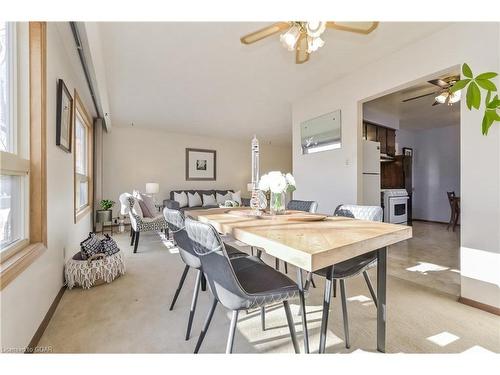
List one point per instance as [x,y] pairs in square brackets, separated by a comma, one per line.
[152,188]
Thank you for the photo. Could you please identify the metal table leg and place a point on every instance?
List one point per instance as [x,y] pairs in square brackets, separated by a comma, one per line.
[326,310]
[300,284]
[381,295]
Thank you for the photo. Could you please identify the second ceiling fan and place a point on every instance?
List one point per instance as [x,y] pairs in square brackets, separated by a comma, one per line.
[305,37]
[443,95]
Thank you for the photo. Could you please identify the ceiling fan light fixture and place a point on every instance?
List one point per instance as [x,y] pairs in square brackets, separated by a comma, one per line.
[441,98]
[455,96]
[315,28]
[289,38]
[313,44]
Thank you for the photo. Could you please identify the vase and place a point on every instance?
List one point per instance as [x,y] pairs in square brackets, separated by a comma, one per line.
[277,203]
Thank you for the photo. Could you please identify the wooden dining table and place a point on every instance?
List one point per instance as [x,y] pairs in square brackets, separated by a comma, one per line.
[313,245]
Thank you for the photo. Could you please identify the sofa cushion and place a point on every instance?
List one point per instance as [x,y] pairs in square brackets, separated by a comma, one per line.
[147,205]
[221,199]
[181,198]
[194,200]
[209,200]
[236,197]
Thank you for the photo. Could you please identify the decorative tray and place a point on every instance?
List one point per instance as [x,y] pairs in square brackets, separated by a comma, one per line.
[289,215]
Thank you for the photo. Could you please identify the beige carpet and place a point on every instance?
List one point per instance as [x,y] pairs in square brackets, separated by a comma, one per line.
[131,315]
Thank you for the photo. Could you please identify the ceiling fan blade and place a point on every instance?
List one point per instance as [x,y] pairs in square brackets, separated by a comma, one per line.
[264,33]
[435,103]
[301,54]
[353,27]
[440,83]
[420,96]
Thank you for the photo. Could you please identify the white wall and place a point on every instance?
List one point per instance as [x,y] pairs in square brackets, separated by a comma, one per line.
[334,177]
[436,169]
[134,156]
[26,300]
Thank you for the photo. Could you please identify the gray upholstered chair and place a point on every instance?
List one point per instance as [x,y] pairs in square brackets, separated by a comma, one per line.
[142,224]
[175,221]
[239,283]
[354,266]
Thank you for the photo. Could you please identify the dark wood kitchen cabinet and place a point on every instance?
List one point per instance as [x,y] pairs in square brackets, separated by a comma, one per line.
[379,133]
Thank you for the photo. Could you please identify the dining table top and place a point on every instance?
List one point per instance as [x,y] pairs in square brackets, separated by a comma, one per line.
[310,245]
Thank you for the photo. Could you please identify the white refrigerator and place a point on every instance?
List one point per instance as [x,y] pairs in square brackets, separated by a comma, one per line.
[371,173]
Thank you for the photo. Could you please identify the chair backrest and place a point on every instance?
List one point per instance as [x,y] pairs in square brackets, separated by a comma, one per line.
[124,205]
[175,222]
[218,270]
[373,213]
[307,206]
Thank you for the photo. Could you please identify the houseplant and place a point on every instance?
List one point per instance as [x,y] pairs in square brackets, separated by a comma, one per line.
[474,86]
[278,184]
[105,214]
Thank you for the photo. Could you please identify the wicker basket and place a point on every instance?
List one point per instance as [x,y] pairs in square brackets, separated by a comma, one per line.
[96,270]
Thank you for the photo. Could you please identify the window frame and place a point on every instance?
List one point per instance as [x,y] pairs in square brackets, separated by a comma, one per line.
[79,110]
[15,260]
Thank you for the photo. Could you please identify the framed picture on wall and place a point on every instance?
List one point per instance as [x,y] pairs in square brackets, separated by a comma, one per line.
[64,116]
[407,151]
[201,165]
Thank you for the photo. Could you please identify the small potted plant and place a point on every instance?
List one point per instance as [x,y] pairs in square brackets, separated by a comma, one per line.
[105,214]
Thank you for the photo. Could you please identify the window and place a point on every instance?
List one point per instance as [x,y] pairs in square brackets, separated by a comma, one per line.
[14,180]
[83,159]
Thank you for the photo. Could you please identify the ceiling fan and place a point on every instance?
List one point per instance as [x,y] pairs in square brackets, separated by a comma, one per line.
[443,95]
[305,37]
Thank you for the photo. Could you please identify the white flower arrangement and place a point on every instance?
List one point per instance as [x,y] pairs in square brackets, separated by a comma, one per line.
[277,182]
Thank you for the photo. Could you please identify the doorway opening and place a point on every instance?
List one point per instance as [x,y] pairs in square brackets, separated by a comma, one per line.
[411,167]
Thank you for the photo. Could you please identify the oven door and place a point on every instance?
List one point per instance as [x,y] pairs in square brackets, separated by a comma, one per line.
[398,210]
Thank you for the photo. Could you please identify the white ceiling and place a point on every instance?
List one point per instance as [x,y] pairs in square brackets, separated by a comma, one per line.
[198,78]
[417,114]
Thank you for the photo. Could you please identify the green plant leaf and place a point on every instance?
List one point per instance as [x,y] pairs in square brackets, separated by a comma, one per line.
[460,85]
[489,118]
[487,75]
[475,95]
[466,70]
[485,84]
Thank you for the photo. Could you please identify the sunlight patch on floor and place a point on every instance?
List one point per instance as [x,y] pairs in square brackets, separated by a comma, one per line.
[443,338]
[424,267]
[477,349]
[361,298]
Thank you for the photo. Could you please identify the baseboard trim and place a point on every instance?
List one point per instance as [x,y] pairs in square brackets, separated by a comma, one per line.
[45,322]
[479,305]
[432,221]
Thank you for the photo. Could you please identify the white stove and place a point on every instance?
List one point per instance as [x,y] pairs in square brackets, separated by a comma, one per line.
[395,203]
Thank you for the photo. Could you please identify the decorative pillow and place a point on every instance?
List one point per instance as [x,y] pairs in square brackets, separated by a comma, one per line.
[209,200]
[181,198]
[109,246]
[236,197]
[194,200]
[136,208]
[221,199]
[90,246]
[147,205]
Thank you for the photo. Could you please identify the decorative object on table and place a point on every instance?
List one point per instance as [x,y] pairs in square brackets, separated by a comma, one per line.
[473,96]
[258,200]
[407,151]
[322,133]
[97,270]
[64,123]
[201,165]
[152,188]
[278,184]
[230,203]
[105,214]
[304,38]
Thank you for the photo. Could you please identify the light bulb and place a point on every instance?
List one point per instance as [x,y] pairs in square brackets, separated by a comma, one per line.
[289,39]
[441,98]
[456,96]
[313,44]
[315,28]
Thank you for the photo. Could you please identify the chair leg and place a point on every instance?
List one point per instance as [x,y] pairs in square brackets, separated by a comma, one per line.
[259,253]
[232,331]
[263,317]
[291,326]
[132,237]
[131,231]
[205,326]
[137,234]
[305,331]
[344,313]
[312,282]
[286,267]
[193,303]
[251,250]
[370,288]
[334,288]
[327,297]
[277,264]
[203,283]
[181,283]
